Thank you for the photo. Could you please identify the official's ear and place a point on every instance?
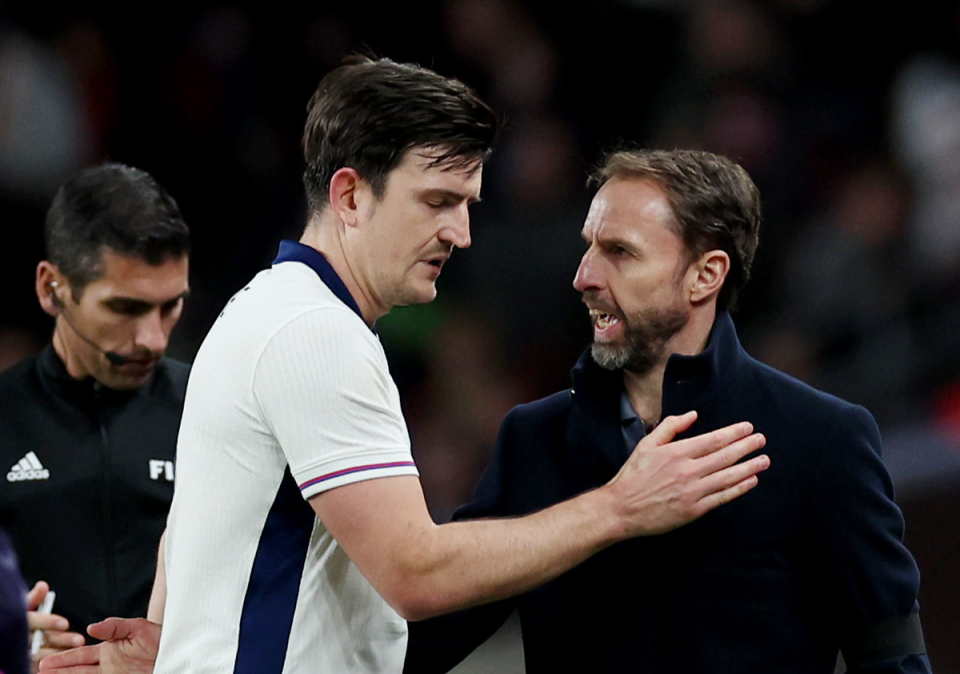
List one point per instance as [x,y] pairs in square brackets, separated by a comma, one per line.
[49,282]
[709,273]
[346,195]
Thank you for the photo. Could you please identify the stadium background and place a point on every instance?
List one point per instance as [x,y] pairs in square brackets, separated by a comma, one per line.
[846,115]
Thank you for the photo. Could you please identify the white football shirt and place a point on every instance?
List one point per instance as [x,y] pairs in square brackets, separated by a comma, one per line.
[290,395]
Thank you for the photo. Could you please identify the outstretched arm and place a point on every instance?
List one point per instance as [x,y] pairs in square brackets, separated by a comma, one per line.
[423,569]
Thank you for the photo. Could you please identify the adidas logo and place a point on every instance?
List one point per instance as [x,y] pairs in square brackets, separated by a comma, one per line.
[28,468]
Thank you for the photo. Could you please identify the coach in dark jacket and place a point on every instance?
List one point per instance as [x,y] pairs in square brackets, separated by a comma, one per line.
[808,564]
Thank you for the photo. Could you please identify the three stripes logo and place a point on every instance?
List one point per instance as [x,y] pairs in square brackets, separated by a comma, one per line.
[28,468]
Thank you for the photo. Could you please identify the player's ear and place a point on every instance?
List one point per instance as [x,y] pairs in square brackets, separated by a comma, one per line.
[48,280]
[345,187]
[711,271]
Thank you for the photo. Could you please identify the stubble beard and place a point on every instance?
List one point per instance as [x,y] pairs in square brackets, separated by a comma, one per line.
[646,335]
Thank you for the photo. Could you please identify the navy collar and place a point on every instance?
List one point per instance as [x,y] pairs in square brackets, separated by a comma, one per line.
[294,251]
[689,382]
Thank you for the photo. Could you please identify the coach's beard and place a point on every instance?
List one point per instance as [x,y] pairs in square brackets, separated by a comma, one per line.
[646,334]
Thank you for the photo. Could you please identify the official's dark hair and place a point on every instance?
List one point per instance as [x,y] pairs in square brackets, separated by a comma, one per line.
[367,114]
[715,204]
[116,207]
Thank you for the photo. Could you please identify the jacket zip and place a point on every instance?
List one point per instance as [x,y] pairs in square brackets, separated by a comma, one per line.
[107,504]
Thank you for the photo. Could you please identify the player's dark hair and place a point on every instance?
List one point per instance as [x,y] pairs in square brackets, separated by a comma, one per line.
[715,204]
[367,114]
[116,207]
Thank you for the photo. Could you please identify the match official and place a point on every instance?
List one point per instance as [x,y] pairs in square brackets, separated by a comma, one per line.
[89,426]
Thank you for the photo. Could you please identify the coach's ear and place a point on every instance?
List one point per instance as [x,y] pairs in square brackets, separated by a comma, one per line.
[707,274]
[347,193]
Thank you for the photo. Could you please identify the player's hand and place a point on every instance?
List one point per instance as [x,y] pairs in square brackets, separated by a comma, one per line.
[56,636]
[665,484]
[129,647]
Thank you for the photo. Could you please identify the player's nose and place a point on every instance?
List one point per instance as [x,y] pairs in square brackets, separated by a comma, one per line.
[457,228]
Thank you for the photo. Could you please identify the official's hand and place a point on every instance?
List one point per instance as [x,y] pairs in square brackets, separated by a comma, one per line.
[55,635]
[129,647]
[666,484]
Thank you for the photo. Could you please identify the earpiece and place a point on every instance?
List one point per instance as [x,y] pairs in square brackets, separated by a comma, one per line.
[53,295]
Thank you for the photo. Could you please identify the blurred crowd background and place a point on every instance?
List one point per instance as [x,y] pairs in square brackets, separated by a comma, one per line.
[846,114]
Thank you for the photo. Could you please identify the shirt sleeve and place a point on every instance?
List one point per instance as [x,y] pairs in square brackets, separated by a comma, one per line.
[325,392]
[874,577]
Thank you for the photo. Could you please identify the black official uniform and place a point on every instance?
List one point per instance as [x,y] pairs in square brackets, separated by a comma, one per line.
[87,479]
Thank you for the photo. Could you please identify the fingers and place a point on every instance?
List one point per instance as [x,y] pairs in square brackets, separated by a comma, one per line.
[87,658]
[733,475]
[44,652]
[36,594]
[730,483]
[62,640]
[714,441]
[47,621]
[728,455]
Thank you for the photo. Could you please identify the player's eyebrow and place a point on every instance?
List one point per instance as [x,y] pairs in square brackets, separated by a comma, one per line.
[451,195]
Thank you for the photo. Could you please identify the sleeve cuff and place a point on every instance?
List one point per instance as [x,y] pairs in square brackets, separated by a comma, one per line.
[341,472]
[895,637]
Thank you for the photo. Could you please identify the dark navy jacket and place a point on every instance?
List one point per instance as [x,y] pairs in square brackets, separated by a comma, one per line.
[808,563]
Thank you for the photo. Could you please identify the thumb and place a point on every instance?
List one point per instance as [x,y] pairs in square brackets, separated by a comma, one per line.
[36,594]
[111,629]
[667,429]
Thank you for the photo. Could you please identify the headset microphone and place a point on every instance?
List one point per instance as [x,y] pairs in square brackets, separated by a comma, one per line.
[113,357]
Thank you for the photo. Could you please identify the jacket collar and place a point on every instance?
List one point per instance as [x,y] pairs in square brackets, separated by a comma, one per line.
[86,392]
[691,381]
[599,453]
[688,383]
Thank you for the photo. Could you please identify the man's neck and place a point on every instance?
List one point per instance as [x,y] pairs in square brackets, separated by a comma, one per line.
[72,365]
[645,391]
[327,238]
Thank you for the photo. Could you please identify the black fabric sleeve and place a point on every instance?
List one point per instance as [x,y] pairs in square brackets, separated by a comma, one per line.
[872,575]
[439,644]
